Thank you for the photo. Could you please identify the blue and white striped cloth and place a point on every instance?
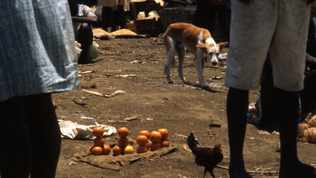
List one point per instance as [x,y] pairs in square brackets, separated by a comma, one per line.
[37,51]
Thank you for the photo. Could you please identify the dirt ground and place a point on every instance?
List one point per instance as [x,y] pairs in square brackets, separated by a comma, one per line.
[177,107]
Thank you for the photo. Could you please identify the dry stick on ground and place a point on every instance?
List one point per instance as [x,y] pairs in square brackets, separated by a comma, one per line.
[262,171]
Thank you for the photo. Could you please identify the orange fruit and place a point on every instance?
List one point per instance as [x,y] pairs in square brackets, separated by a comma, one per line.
[97,150]
[164,143]
[141,140]
[106,149]
[91,148]
[99,141]
[98,131]
[148,145]
[155,146]
[123,142]
[164,133]
[144,132]
[141,149]
[123,132]
[155,136]
[117,150]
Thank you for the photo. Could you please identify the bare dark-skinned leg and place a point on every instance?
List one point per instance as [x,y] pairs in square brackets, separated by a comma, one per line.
[45,136]
[15,147]
[237,108]
[85,38]
[288,104]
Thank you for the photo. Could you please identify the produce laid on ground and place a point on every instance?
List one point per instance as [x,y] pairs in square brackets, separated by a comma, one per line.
[145,141]
[307,131]
[99,148]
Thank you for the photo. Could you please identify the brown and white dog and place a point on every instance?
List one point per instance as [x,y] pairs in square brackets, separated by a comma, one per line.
[198,41]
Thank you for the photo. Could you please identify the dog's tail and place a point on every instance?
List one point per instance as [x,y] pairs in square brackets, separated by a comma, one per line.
[170,47]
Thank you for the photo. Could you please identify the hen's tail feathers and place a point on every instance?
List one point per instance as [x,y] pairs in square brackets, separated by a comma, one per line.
[192,143]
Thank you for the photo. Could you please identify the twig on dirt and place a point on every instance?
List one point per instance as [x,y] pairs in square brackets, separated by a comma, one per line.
[104,95]
[222,167]
[179,135]
[93,92]
[259,171]
[186,148]
[131,118]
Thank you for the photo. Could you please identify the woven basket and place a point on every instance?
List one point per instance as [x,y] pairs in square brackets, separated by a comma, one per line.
[175,15]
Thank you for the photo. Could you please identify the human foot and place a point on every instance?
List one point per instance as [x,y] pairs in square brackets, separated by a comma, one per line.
[238,173]
[297,170]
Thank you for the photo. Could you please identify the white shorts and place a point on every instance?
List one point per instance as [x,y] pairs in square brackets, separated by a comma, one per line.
[276,26]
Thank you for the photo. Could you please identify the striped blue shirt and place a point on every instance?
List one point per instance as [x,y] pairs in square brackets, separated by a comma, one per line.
[37,52]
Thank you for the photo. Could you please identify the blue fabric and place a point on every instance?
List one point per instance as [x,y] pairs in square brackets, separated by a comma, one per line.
[37,51]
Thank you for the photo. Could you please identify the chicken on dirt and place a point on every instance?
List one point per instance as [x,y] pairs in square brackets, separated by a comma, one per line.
[205,156]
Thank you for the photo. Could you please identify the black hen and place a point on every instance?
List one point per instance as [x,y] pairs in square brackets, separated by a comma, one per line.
[205,156]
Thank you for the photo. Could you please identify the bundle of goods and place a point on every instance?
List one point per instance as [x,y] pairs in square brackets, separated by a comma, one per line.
[307,131]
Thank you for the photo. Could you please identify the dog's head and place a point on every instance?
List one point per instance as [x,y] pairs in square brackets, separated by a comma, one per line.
[212,50]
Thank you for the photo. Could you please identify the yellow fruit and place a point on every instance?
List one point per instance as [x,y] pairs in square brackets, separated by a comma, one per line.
[128,150]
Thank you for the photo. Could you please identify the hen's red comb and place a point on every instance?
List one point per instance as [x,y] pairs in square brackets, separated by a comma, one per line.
[219,145]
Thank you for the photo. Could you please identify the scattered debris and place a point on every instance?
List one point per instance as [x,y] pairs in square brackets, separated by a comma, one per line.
[179,135]
[185,147]
[214,124]
[138,62]
[104,95]
[89,86]
[217,78]
[126,75]
[131,118]
[86,72]
[85,117]
[79,103]
[93,92]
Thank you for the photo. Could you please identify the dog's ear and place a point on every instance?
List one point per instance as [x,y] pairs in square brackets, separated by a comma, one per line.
[222,45]
[203,47]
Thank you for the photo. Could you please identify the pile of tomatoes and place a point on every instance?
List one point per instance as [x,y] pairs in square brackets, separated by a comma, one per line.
[145,140]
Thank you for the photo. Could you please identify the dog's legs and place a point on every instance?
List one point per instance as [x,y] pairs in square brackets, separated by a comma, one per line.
[181,55]
[169,62]
[199,69]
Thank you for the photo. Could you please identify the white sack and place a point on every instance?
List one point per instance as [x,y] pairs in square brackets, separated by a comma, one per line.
[73,130]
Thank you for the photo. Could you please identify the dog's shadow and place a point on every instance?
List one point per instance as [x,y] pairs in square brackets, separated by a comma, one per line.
[198,87]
